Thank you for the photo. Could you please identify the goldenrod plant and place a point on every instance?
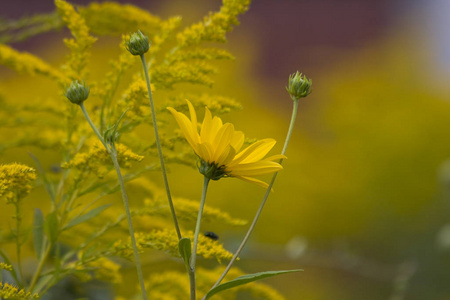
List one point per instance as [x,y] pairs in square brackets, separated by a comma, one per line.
[79,229]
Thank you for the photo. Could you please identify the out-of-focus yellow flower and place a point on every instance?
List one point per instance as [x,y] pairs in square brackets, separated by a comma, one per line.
[8,291]
[218,147]
[15,181]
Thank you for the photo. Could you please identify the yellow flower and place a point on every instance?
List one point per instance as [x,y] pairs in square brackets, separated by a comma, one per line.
[218,147]
[15,181]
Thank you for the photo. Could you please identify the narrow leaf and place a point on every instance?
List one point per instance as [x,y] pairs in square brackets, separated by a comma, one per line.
[38,232]
[47,183]
[87,216]
[184,246]
[241,280]
[7,261]
[51,227]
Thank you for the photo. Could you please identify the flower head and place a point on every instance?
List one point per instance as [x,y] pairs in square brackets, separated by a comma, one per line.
[15,180]
[77,92]
[218,147]
[299,86]
[137,43]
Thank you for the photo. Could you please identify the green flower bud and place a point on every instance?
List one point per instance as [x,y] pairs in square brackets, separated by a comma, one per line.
[77,92]
[137,43]
[299,87]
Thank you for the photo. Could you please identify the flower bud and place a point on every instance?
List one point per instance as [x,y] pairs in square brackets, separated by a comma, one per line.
[137,43]
[299,86]
[77,92]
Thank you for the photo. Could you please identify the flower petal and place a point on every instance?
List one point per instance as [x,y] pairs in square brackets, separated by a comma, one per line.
[186,127]
[254,152]
[193,116]
[260,151]
[204,151]
[216,124]
[205,133]
[254,181]
[237,140]
[254,169]
[275,157]
[226,156]
[222,139]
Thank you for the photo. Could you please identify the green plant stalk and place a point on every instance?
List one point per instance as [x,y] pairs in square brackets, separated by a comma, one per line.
[266,195]
[18,241]
[158,145]
[39,268]
[113,155]
[197,231]
[192,282]
[88,119]
[130,224]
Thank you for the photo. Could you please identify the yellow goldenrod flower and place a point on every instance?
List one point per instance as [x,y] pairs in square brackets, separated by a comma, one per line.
[8,291]
[218,147]
[15,181]
[6,267]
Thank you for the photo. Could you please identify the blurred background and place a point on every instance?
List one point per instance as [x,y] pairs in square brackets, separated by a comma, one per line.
[363,204]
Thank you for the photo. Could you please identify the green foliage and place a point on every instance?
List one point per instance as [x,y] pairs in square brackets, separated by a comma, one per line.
[80,231]
[241,280]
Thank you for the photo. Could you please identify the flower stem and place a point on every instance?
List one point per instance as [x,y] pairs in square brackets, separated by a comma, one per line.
[130,224]
[197,231]
[191,273]
[18,241]
[86,115]
[158,145]
[112,152]
[266,195]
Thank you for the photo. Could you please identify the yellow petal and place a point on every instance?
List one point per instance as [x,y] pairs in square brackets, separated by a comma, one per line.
[222,139]
[204,151]
[193,116]
[275,157]
[254,181]
[254,169]
[216,124]
[186,127]
[260,147]
[237,140]
[226,156]
[205,133]
[260,151]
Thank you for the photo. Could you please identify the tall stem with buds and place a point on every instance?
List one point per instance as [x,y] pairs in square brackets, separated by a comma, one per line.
[77,93]
[298,88]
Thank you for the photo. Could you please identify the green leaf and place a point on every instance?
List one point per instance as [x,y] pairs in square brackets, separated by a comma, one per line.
[38,232]
[44,280]
[184,246]
[241,280]
[87,216]
[7,261]
[47,183]
[51,227]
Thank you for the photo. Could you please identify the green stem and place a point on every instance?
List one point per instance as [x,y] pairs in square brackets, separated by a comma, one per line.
[266,195]
[197,231]
[113,155]
[158,145]
[39,269]
[130,225]
[86,115]
[18,241]
[192,282]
